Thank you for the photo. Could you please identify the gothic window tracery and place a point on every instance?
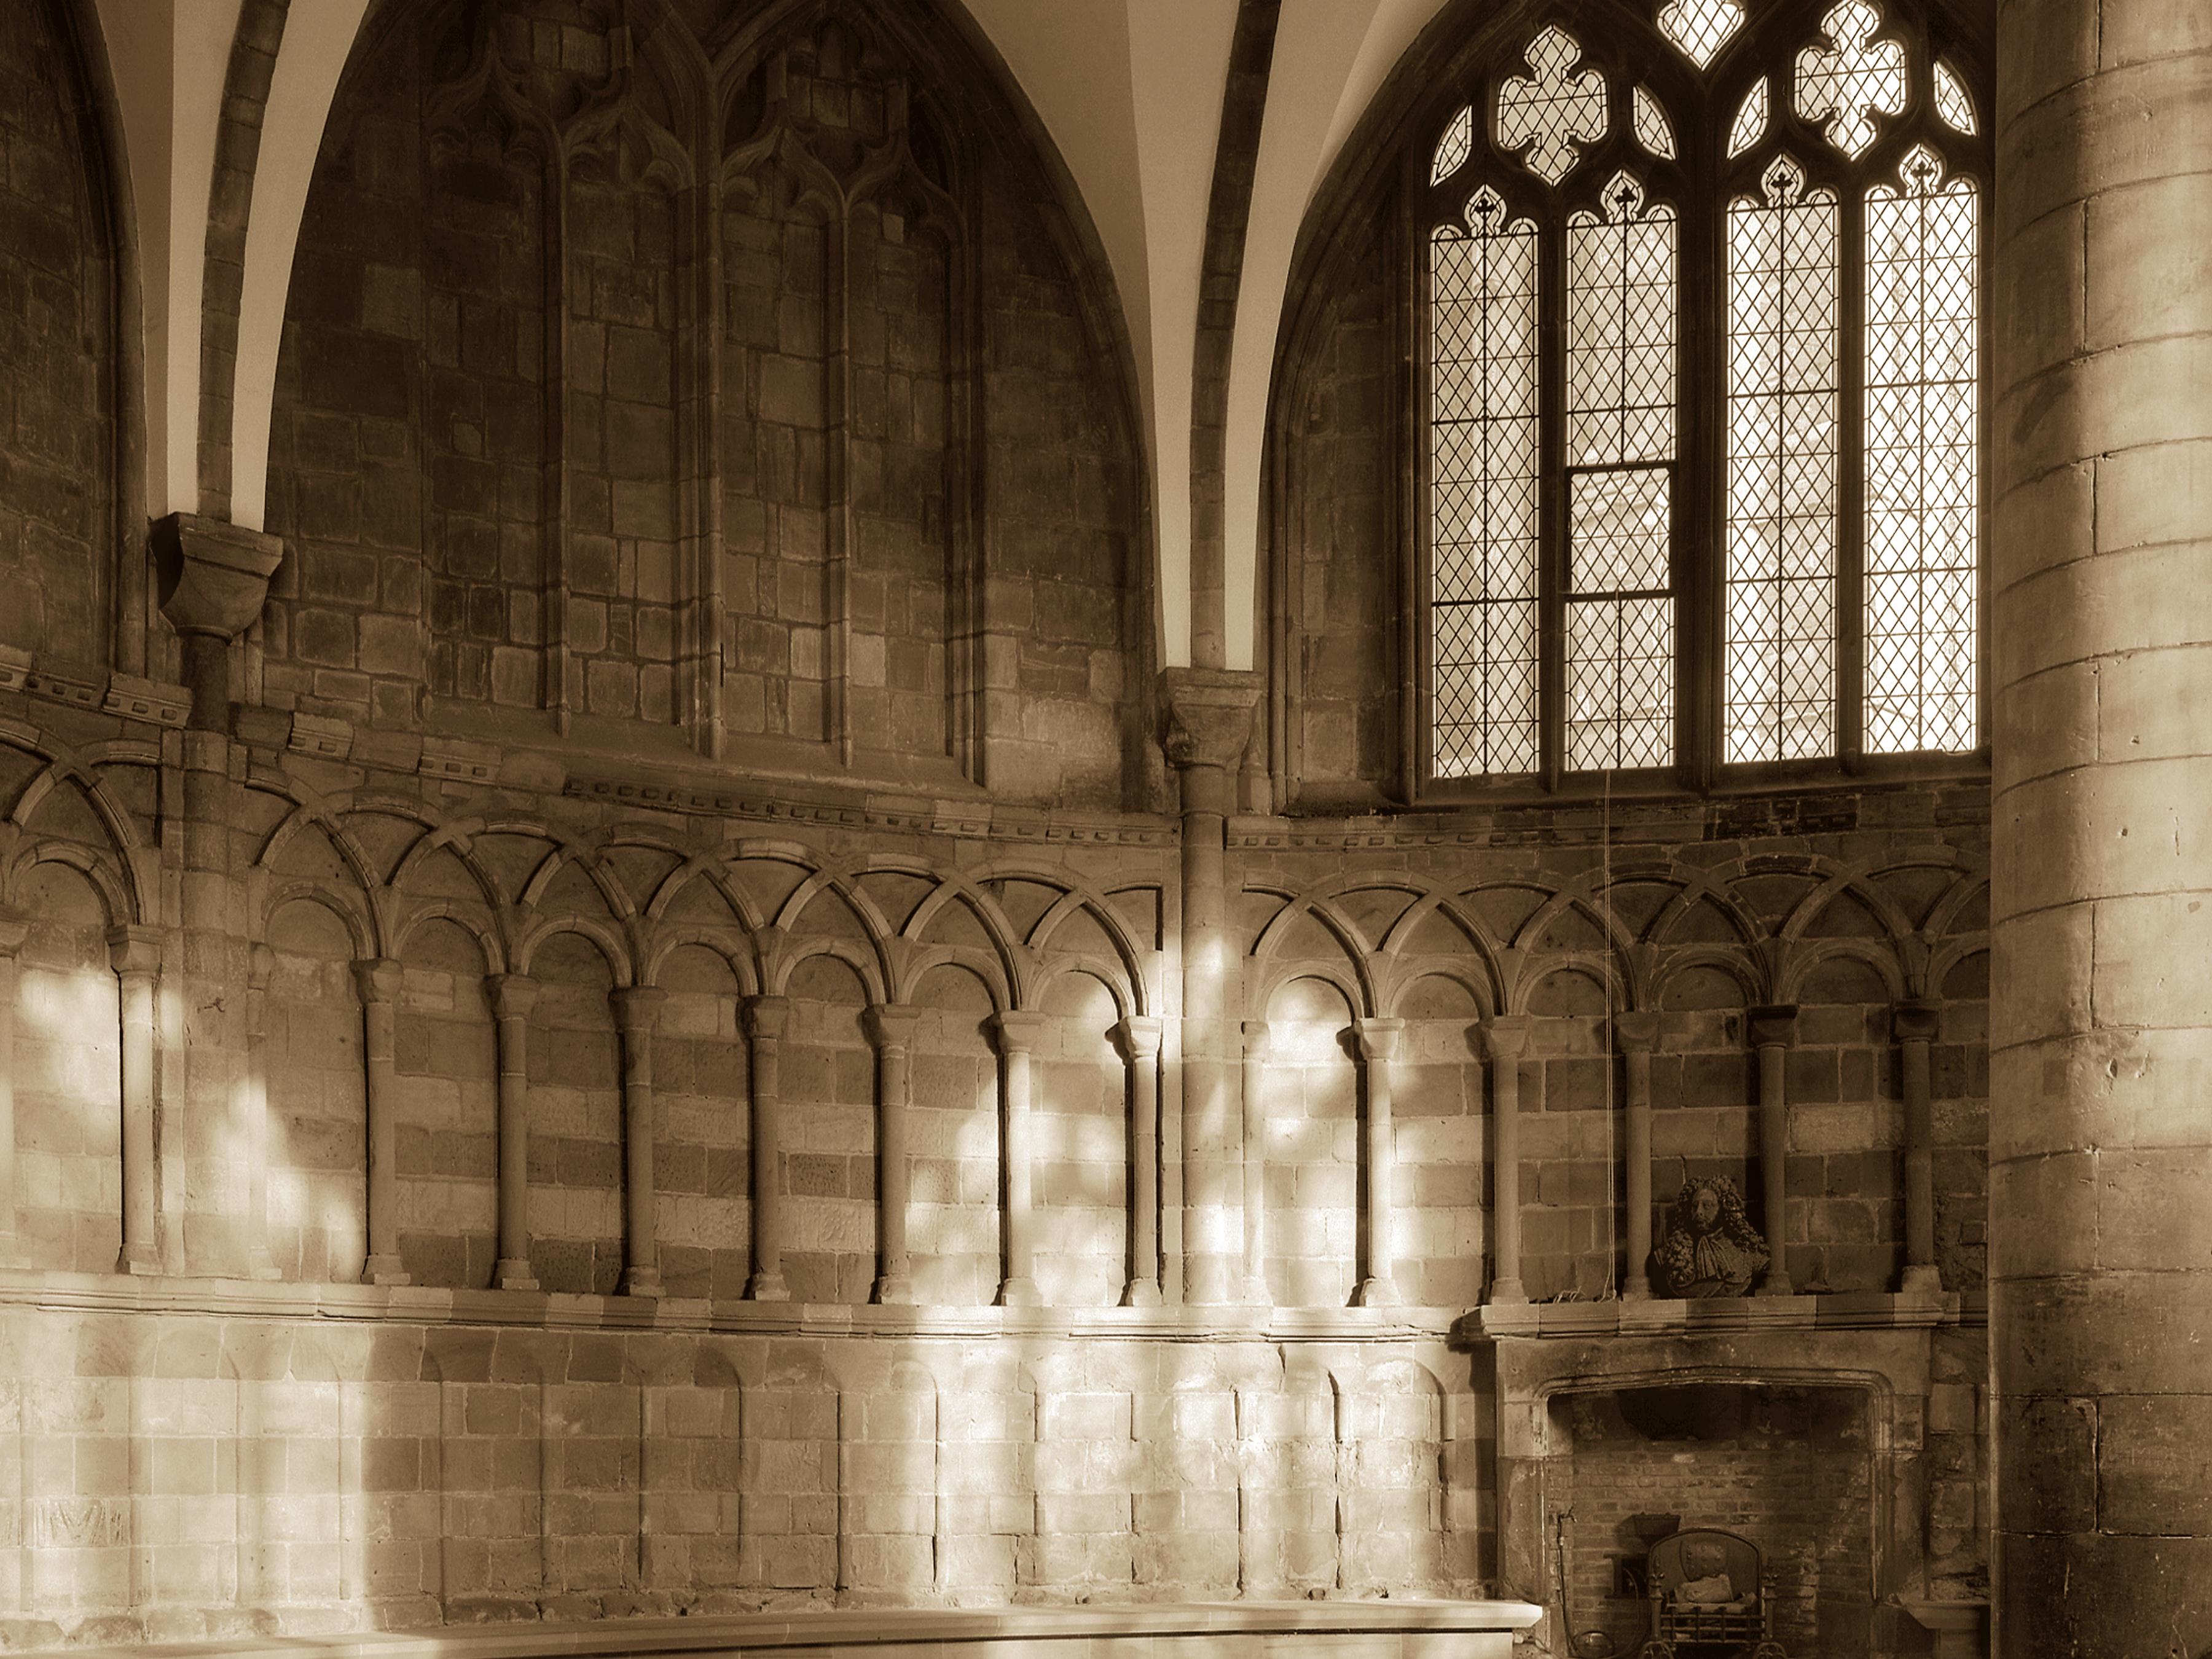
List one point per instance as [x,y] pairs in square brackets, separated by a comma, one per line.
[1701,400]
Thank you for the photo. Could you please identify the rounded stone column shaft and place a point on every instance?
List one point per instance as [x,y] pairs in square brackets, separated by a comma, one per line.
[1377,1040]
[767,1018]
[890,1027]
[1258,1044]
[135,954]
[1915,1025]
[1771,1031]
[2100,1003]
[14,928]
[1141,1043]
[1504,1039]
[1638,1034]
[1016,1032]
[261,965]
[637,1012]
[379,981]
[512,997]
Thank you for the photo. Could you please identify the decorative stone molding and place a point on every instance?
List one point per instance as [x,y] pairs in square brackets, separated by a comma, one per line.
[80,685]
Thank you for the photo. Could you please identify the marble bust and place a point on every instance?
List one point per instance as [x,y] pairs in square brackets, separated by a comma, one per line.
[1711,1248]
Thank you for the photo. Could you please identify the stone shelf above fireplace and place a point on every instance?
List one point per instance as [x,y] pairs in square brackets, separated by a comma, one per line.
[1856,1310]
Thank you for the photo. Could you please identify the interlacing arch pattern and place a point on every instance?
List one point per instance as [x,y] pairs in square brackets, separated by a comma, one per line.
[56,778]
[386,866]
[1707,922]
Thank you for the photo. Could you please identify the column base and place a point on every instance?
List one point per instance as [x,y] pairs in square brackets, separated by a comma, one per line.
[1506,1293]
[1253,1291]
[263,1266]
[513,1275]
[1212,1280]
[1638,1289]
[140,1259]
[641,1282]
[1140,1293]
[1378,1293]
[1777,1283]
[1926,1280]
[1020,1293]
[893,1290]
[767,1287]
[384,1270]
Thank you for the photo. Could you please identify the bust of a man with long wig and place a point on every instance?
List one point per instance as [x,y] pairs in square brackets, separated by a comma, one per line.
[1711,1248]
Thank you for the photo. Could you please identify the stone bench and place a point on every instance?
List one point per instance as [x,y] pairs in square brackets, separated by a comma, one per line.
[1228,1630]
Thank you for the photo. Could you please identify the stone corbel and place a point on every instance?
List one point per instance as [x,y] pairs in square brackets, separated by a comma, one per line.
[1205,714]
[213,580]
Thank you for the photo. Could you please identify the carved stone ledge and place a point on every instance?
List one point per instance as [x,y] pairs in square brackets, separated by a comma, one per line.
[82,685]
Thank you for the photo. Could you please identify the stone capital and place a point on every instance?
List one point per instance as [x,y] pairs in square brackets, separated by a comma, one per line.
[1636,1031]
[260,968]
[14,928]
[1505,1037]
[637,1008]
[1205,714]
[1140,1036]
[214,575]
[891,1024]
[379,979]
[1259,1039]
[1916,1021]
[1772,1027]
[766,1017]
[1017,1029]
[134,952]
[513,995]
[1377,1038]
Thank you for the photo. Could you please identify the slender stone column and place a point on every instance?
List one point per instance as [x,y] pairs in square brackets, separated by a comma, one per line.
[637,1012]
[379,981]
[261,966]
[1506,1037]
[136,955]
[1771,1031]
[1140,1035]
[1259,1044]
[14,928]
[1017,1032]
[512,997]
[2100,1004]
[1208,723]
[1638,1034]
[1915,1025]
[890,1028]
[767,1019]
[1378,1046]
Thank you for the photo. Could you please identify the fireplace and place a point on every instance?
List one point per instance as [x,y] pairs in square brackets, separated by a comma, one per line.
[1798,1425]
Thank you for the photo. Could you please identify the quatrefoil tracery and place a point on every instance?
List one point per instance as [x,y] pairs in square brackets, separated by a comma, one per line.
[1852,78]
[1552,114]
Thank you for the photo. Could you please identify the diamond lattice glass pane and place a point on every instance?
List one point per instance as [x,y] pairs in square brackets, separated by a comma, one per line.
[1620,683]
[1923,480]
[1780,618]
[1622,529]
[1483,492]
[1750,122]
[1653,129]
[1455,147]
[1700,28]
[1620,330]
[1852,77]
[1951,100]
[1550,113]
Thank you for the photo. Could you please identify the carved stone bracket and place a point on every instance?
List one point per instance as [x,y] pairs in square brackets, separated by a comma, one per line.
[215,580]
[1206,714]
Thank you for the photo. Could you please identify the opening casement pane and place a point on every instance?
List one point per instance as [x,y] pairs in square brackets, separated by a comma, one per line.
[1780,613]
[1620,619]
[1483,476]
[1922,489]
[1620,330]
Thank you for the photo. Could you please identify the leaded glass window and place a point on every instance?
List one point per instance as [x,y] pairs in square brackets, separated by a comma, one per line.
[1701,357]
[1923,466]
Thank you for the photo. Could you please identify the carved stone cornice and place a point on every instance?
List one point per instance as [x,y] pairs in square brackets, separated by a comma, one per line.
[1205,714]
